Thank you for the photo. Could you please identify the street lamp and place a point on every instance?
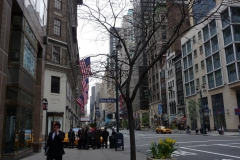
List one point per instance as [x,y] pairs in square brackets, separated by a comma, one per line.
[202,108]
[45,107]
[118,47]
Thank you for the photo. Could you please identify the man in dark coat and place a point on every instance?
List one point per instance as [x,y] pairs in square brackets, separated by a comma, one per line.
[71,137]
[54,147]
[105,135]
[113,132]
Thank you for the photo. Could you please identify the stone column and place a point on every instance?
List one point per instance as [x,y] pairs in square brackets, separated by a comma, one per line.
[38,111]
[5,23]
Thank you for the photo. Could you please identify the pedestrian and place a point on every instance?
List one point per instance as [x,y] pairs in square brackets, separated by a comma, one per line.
[85,137]
[71,137]
[113,132]
[188,129]
[239,129]
[80,141]
[179,128]
[182,127]
[196,130]
[97,139]
[105,135]
[54,147]
[90,139]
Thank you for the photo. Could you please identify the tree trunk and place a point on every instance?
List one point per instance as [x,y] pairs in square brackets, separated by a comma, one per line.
[131,132]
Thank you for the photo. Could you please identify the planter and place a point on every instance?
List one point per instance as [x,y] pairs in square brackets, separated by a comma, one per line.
[148,158]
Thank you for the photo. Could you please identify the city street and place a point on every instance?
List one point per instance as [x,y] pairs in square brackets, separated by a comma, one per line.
[211,147]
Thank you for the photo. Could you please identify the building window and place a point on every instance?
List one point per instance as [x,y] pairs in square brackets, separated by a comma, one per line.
[199,35]
[56,54]
[179,76]
[190,63]
[164,36]
[195,53]
[204,79]
[198,82]
[194,39]
[216,61]
[232,75]
[163,86]
[229,54]
[186,76]
[218,78]
[184,50]
[235,11]
[213,28]
[58,4]
[189,48]
[196,67]
[185,63]
[207,47]
[163,27]
[225,18]
[227,36]
[191,75]
[55,84]
[214,44]
[205,33]
[201,49]
[178,65]
[57,27]
[179,87]
[211,81]
[209,64]
[237,48]
[187,89]
[236,32]
[192,87]
[202,64]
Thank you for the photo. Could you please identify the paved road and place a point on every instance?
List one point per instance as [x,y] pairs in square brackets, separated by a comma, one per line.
[191,147]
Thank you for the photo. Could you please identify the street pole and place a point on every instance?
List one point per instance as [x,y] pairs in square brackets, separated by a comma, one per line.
[116,88]
[46,128]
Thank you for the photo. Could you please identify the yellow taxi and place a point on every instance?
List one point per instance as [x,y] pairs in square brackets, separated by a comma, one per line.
[163,129]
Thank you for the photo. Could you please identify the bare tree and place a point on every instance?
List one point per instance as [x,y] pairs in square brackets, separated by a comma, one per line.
[150,17]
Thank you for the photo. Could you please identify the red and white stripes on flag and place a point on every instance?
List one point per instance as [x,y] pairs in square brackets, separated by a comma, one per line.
[85,67]
[80,101]
[85,85]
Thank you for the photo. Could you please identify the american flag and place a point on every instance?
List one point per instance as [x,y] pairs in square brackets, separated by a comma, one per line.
[85,85]
[85,67]
[80,101]
[85,96]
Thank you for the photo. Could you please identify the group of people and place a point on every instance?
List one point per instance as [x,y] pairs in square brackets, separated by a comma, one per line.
[93,137]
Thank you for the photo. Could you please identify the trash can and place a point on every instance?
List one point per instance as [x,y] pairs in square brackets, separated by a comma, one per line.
[112,141]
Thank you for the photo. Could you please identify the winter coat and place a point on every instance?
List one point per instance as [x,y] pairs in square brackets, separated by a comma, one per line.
[105,134]
[71,135]
[97,136]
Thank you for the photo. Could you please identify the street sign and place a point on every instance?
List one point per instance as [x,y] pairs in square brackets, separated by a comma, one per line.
[107,100]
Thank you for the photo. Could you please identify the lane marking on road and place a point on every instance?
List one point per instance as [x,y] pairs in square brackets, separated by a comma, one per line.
[209,141]
[226,145]
[220,154]
[181,153]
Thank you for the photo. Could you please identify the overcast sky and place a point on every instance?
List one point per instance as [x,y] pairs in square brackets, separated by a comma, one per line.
[92,40]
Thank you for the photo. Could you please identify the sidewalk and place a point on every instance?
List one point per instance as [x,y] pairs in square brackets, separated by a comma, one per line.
[97,154]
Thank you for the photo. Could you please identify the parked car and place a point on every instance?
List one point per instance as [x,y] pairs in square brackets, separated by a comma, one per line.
[163,129]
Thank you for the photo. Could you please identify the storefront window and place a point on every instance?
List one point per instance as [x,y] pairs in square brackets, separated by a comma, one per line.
[10,142]
[25,131]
